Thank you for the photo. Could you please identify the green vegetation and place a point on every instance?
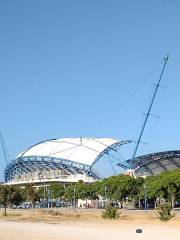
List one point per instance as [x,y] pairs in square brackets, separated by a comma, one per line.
[164,211]
[9,196]
[110,212]
[57,190]
[31,194]
[164,186]
[122,190]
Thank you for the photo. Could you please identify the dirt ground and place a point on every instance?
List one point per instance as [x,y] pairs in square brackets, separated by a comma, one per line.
[85,225]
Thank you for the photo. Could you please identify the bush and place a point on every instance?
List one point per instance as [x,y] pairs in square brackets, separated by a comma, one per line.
[165,211]
[110,212]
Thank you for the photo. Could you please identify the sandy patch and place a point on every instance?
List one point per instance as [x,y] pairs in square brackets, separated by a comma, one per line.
[71,224]
[106,230]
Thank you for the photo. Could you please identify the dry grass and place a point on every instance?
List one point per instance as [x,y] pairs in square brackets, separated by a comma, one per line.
[59,215]
[78,224]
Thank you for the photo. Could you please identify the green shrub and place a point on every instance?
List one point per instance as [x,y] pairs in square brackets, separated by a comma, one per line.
[110,212]
[165,211]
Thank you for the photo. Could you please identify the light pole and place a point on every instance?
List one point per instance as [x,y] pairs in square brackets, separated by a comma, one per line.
[61,191]
[105,189]
[49,198]
[44,190]
[74,197]
[145,197]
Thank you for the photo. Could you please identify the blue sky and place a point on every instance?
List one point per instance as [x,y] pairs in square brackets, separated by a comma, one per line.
[88,68]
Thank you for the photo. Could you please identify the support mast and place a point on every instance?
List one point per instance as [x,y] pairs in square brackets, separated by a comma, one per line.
[149,111]
[3,147]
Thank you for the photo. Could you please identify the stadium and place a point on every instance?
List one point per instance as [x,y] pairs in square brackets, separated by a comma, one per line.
[69,160]
[65,160]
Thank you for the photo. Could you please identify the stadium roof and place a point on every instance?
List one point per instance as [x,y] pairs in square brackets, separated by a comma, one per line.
[154,163]
[81,150]
[94,157]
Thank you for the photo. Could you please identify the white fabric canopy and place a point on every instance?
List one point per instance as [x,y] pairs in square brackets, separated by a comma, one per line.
[82,150]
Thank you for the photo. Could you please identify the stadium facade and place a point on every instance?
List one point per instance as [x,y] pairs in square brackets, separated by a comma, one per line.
[69,160]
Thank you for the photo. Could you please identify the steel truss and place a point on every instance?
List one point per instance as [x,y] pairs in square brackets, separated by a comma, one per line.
[161,161]
[113,155]
[25,165]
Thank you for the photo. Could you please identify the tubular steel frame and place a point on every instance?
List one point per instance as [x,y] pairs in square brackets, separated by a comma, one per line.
[149,161]
[30,164]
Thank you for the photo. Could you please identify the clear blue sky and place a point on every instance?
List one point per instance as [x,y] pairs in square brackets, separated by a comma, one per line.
[67,68]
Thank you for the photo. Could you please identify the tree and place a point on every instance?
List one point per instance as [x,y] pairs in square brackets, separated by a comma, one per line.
[31,194]
[16,196]
[71,193]
[82,190]
[164,186]
[10,195]
[120,187]
[4,197]
[93,189]
[57,190]
[172,184]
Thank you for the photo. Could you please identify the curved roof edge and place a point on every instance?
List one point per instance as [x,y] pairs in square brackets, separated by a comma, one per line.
[158,162]
[83,150]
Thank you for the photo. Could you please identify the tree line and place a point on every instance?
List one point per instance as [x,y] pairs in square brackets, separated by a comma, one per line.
[122,189]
